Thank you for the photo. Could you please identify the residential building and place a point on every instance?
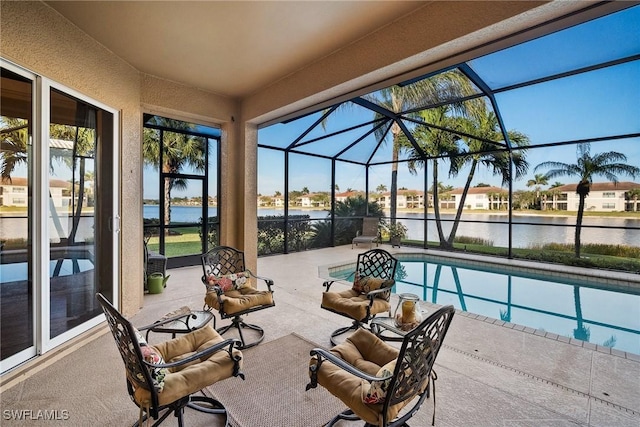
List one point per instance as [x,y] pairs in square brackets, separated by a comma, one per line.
[487,198]
[603,197]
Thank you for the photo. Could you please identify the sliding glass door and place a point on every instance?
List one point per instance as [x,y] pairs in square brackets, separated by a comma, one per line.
[58,205]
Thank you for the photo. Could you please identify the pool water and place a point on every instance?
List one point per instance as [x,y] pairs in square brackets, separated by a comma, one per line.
[582,310]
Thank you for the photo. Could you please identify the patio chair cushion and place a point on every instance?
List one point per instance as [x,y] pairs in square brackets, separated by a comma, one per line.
[192,377]
[352,303]
[368,353]
[236,301]
[228,282]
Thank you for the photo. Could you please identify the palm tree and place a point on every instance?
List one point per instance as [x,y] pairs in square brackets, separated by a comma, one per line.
[538,180]
[606,164]
[13,145]
[381,188]
[435,142]
[484,124]
[397,99]
[179,151]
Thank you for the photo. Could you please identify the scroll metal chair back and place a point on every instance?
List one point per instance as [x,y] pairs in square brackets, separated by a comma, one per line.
[372,264]
[414,374]
[376,263]
[124,334]
[412,377]
[224,261]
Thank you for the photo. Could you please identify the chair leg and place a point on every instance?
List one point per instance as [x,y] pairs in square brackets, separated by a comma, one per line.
[347,414]
[239,324]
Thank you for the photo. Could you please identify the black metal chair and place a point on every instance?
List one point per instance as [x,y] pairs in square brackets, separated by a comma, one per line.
[163,378]
[232,290]
[394,380]
[373,279]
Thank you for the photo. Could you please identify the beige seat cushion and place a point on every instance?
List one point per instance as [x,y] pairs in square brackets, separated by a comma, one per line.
[237,301]
[190,378]
[368,353]
[353,304]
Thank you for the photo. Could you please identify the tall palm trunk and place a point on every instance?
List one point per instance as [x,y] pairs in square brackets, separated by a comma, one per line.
[395,130]
[436,202]
[582,189]
[454,228]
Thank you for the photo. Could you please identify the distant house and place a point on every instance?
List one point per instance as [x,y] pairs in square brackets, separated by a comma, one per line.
[603,197]
[406,199]
[15,192]
[487,198]
[313,200]
[341,197]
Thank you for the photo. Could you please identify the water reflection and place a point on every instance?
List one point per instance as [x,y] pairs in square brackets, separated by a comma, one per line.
[583,311]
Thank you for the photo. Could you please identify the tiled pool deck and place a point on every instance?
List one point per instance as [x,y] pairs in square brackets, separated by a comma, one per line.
[491,373]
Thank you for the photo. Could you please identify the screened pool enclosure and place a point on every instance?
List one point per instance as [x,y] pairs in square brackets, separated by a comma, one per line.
[533,148]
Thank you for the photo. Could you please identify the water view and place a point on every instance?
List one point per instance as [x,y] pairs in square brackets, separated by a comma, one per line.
[584,310]
[538,230]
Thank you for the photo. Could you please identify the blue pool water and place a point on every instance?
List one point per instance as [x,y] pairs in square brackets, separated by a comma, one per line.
[582,310]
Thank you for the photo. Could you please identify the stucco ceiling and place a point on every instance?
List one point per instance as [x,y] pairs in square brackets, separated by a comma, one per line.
[232,48]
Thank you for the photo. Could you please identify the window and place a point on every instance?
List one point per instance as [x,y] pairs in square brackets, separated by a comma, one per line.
[608,194]
[608,206]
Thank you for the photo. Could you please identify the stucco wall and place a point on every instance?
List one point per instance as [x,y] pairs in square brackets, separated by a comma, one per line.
[39,39]
[36,37]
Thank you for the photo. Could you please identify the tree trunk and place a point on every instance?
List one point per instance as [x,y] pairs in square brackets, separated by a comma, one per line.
[579,224]
[436,202]
[463,197]
[582,189]
[394,175]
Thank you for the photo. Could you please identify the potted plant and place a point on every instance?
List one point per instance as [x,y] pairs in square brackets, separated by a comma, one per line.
[397,232]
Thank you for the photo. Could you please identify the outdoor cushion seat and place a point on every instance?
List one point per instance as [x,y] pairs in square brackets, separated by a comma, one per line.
[194,376]
[237,301]
[354,304]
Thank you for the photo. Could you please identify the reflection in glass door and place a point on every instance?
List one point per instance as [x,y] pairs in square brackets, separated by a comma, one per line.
[75,129]
[17,339]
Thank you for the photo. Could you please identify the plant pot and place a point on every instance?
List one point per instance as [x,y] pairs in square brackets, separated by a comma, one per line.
[395,241]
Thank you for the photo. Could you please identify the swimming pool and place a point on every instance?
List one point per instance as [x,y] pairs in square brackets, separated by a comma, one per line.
[569,307]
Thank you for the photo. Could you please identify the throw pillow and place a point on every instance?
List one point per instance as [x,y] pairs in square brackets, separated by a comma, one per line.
[229,282]
[377,391]
[150,355]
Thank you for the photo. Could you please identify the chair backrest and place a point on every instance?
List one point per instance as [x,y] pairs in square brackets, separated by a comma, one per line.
[417,356]
[376,263]
[127,342]
[370,226]
[222,260]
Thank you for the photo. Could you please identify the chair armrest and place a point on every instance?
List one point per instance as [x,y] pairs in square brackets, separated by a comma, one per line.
[324,354]
[266,280]
[204,353]
[164,321]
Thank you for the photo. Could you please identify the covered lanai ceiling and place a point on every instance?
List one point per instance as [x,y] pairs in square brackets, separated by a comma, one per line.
[232,48]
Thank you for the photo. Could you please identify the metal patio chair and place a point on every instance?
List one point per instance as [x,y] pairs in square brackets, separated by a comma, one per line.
[162,379]
[232,290]
[376,380]
[369,295]
[369,234]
